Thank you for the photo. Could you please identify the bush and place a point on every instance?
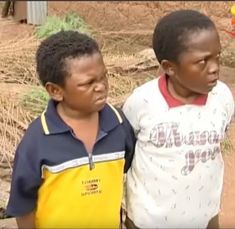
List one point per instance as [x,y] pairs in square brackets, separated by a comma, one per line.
[35,100]
[54,24]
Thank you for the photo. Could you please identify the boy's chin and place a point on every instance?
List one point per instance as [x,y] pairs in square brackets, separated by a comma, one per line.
[100,106]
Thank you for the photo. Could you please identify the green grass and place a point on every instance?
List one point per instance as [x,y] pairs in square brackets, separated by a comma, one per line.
[35,100]
[54,24]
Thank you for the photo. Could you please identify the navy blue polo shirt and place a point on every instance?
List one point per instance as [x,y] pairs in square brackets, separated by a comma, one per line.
[52,171]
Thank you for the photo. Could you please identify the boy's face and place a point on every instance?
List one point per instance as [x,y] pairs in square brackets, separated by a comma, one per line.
[197,69]
[86,86]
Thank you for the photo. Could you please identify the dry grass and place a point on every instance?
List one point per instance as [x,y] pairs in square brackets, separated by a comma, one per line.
[227,146]
[17,60]
[13,122]
[119,88]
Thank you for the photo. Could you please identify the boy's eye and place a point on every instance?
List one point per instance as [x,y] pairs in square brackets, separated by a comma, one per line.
[202,62]
[85,84]
[89,83]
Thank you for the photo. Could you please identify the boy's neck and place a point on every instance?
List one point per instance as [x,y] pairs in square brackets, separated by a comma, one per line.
[73,115]
[180,92]
[85,126]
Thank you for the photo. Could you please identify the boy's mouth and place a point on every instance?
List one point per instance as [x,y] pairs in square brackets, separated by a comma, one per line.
[212,83]
[101,98]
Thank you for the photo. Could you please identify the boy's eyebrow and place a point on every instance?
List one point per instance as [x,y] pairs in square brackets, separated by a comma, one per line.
[90,77]
[201,53]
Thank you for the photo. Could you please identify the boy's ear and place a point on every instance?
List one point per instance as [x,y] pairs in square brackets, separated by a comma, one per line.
[55,91]
[168,67]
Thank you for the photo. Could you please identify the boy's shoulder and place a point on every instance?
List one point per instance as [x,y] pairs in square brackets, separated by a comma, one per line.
[222,91]
[222,97]
[33,132]
[148,91]
[221,86]
[147,86]
[112,113]
[35,127]
[117,116]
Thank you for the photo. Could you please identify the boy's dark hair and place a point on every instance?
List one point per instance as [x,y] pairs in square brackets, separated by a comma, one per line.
[171,32]
[52,52]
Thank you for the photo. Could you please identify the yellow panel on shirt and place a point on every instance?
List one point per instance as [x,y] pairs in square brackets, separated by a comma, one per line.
[72,195]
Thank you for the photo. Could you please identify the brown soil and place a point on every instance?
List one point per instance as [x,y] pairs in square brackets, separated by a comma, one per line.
[12,30]
[127,27]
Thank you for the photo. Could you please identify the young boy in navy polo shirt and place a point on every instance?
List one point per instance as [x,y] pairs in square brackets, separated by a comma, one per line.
[180,119]
[69,166]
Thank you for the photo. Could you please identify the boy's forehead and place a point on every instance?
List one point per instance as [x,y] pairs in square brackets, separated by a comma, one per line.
[204,40]
[84,57]
[84,68]
[84,61]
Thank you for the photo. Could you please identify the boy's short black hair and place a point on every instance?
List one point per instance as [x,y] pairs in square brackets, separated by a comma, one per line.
[52,52]
[170,33]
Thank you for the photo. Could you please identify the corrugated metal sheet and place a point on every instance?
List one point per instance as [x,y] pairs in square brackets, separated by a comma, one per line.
[36,12]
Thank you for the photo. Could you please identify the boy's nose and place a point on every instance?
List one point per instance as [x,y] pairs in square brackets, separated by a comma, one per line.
[101,86]
[214,68]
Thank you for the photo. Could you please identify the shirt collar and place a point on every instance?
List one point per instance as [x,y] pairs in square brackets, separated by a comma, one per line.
[173,102]
[109,118]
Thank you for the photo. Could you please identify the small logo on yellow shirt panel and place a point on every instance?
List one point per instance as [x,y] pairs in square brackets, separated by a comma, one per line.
[91,187]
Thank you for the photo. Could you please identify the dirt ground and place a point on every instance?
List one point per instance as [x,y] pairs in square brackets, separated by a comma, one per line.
[127,28]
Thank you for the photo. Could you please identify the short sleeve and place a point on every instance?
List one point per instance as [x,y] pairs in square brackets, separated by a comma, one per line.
[228,103]
[131,110]
[229,106]
[130,141]
[26,178]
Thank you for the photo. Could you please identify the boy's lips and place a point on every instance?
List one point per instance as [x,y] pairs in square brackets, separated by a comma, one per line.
[101,98]
[212,83]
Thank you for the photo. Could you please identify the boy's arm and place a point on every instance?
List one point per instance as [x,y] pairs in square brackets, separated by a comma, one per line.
[130,145]
[131,112]
[26,177]
[229,106]
[131,109]
[26,221]
[129,153]
[130,141]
